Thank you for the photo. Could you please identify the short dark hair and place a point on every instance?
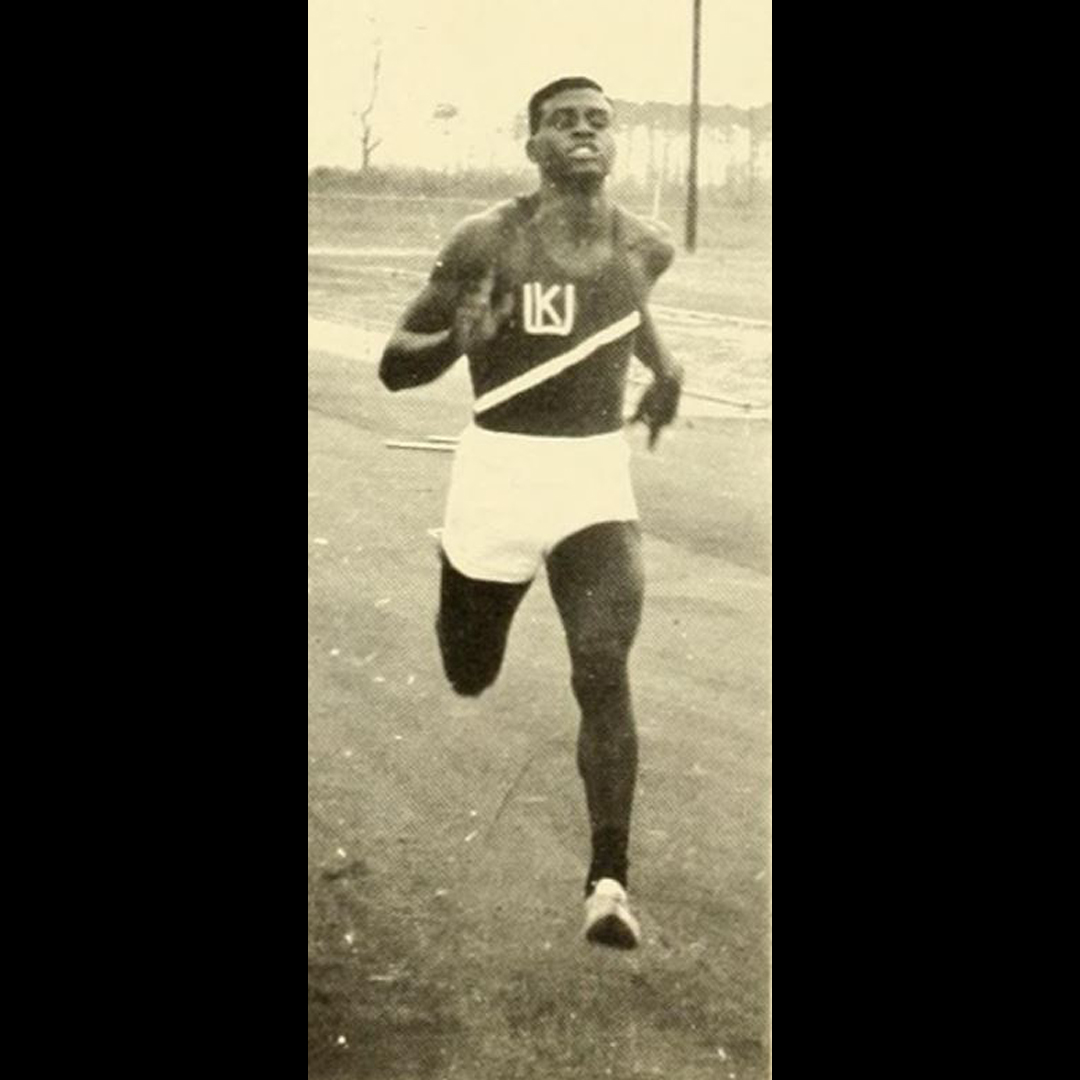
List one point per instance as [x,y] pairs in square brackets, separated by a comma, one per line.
[568,82]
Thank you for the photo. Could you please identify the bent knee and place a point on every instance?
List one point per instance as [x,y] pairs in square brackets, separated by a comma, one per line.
[600,671]
[604,656]
[471,683]
[468,674]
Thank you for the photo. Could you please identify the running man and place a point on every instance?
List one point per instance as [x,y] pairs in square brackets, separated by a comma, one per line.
[546,296]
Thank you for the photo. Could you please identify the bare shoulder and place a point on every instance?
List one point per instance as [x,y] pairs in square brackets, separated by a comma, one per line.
[650,240]
[481,233]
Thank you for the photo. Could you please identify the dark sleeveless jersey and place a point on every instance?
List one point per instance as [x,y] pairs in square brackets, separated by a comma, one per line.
[558,365]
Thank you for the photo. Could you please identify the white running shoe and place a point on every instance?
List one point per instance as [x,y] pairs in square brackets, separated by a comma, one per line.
[607,918]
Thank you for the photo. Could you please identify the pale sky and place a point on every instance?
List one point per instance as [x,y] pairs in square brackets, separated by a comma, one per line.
[487,56]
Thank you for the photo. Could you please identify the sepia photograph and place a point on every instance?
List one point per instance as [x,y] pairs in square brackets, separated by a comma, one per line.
[539,539]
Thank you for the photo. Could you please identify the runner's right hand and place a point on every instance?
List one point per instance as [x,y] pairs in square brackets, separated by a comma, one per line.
[476,321]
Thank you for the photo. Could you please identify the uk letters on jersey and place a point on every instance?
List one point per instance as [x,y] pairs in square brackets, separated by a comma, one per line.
[548,311]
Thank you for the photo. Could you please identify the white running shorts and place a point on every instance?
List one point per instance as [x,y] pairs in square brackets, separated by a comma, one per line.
[514,497]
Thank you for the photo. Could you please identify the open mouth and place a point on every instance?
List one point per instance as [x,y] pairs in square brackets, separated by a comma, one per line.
[584,153]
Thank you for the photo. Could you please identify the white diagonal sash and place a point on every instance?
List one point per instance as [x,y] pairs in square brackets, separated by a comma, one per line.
[557,364]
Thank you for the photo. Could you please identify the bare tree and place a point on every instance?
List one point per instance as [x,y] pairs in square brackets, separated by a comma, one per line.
[368,142]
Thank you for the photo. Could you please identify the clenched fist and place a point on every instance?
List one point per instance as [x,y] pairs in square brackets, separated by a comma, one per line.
[659,404]
[476,321]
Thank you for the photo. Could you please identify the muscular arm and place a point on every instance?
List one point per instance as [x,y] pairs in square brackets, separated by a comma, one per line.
[653,353]
[422,346]
[451,315]
[660,402]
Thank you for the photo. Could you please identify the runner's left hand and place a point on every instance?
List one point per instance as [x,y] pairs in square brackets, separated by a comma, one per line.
[659,405]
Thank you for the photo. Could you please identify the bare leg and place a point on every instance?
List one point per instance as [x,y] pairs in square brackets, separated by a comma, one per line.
[473,626]
[597,581]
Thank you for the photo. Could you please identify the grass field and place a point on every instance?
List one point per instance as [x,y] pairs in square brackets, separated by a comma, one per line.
[444,865]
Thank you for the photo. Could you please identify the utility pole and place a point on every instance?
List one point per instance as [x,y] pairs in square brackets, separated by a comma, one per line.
[695,125]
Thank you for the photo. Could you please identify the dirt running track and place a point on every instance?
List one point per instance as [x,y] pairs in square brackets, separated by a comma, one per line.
[445,864]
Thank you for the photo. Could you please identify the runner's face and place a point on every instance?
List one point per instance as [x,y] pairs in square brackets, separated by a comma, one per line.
[574,139]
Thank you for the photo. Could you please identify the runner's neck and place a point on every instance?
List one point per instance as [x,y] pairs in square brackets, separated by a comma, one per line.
[573,215]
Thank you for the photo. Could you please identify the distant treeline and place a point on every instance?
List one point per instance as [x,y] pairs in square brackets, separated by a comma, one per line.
[664,115]
[488,184]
